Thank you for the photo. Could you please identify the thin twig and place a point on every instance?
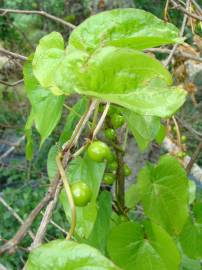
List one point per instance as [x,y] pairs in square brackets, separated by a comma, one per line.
[194,132]
[37,12]
[194,158]
[56,225]
[11,84]
[179,7]
[13,55]
[197,6]
[13,213]
[177,53]
[45,220]
[79,127]
[168,60]
[69,196]
[11,244]
[12,148]
[177,132]
[101,121]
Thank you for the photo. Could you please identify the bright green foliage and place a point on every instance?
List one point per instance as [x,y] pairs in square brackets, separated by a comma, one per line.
[67,255]
[132,196]
[99,234]
[28,133]
[143,127]
[92,173]
[99,151]
[191,239]
[48,57]
[46,108]
[192,191]
[81,193]
[142,246]
[129,27]
[164,193]
[108,66]
[161,134]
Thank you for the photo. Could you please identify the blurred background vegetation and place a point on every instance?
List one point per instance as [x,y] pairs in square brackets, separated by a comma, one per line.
[23,183]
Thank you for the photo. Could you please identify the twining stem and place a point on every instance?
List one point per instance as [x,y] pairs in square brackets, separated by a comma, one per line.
[101,121]
[95,116]
[178,133]
[120,179]
[69,195]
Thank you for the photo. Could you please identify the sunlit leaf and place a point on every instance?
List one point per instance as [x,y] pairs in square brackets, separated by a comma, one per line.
[67,255]
[142,246]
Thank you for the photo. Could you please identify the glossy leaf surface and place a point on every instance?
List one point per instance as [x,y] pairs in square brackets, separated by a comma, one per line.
[67,255]
[135,246]
[164,193]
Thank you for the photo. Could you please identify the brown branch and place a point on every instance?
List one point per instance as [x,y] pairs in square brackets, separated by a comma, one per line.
[13,213]
[177,53]
[13,55]
[194,132]
[11,84]
[11,244]
[179,7]
[37,12]
[12,148]
[170,56]
[46,219]
[56,225]
[194,158]
[101,121]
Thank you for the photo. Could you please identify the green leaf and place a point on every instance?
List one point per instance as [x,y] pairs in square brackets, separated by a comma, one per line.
[52,168]
[144,128]
[112,70]
[91,173]
[47,58]
[192,191]
[155,99]
[161,134]
[54,67]
[191,239]
[46,107]
[128,27]
[132,196]
[197,211]
[67,255]
[99,235]
[142,246]
[164,193]
[72,119]
[28,133]
[187,263]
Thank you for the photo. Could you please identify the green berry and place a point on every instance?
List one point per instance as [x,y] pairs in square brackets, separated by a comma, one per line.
[127,170]
[110,133]
[109,178]
[181,154]
[98,151]
[81,193]
[183,138]
[112,166]
[117,120]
